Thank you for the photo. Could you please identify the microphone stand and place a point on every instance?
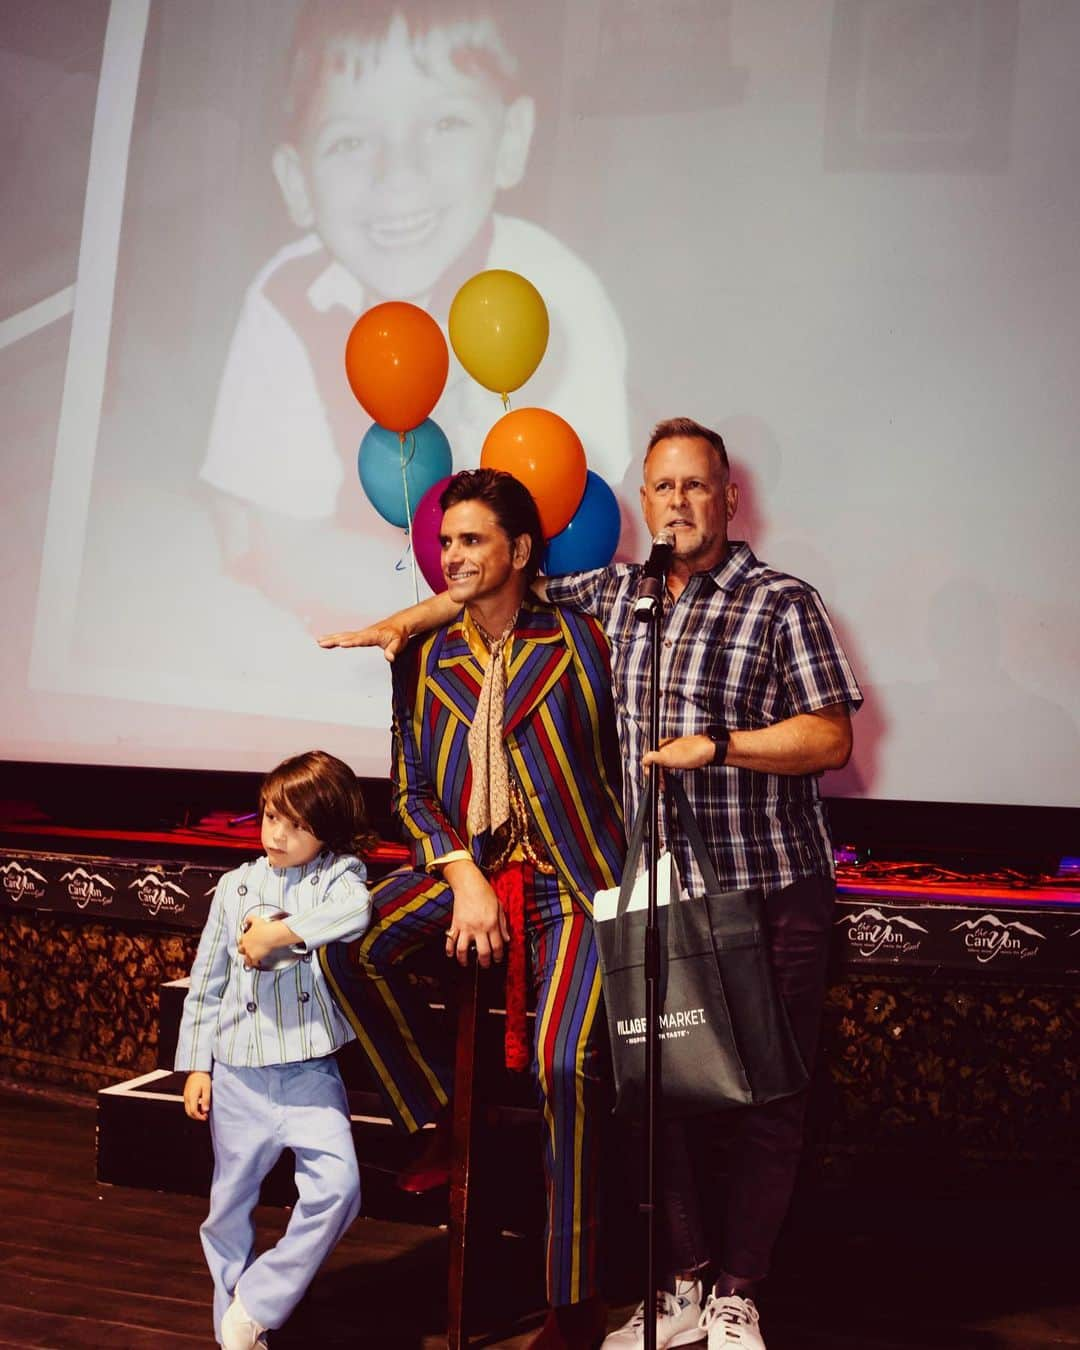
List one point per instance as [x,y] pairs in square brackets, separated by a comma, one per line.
[650,610]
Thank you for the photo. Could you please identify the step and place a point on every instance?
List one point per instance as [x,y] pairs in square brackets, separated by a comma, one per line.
[145,1140]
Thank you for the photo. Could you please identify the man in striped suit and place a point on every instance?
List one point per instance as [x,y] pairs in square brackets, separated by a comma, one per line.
[507,780]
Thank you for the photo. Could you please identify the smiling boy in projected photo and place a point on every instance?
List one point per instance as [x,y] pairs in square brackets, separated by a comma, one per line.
[402,127]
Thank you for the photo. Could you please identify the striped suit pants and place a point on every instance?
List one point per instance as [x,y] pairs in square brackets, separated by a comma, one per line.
[411,1059]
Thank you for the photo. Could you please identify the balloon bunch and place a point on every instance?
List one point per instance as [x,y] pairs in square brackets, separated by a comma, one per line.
[396,361]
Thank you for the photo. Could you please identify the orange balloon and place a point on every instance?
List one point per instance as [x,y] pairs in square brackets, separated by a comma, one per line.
[545,453]
[396,361]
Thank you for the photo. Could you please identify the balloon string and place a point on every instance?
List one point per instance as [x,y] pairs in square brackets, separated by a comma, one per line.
[408,509]
[506,402]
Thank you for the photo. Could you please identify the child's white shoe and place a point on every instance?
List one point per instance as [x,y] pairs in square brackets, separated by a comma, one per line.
[239,1331]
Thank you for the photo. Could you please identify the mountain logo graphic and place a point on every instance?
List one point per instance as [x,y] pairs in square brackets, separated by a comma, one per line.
[989,937]
[88,888]
[870,931]
[156,894]
[22,882]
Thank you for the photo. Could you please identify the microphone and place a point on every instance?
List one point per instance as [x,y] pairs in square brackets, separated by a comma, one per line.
[650,591]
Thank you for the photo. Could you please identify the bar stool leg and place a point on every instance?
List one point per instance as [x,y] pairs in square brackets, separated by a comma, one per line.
[462,1130]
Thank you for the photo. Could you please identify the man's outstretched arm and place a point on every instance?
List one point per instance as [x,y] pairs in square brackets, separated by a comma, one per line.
[392,633]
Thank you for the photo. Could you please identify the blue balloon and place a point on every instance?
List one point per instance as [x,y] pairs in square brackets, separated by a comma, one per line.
[425,456]
[592,535]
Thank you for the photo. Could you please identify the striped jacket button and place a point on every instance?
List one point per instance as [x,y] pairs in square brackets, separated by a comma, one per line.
[251,1006]
[304,997]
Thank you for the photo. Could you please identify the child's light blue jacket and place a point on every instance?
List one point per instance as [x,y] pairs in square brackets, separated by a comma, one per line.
[256,1017]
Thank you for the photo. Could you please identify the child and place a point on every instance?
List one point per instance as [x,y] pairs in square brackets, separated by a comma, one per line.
[258,1035]
[401,131]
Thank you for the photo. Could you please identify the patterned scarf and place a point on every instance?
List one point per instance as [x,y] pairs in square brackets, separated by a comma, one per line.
[490,808]
[489,802]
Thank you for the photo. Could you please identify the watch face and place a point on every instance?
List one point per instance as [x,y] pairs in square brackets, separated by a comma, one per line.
[719,737]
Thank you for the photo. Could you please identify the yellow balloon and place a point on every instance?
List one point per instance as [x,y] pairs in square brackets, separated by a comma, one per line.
[499,329]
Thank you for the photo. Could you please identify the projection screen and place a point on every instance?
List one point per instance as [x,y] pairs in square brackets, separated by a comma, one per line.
[844,234]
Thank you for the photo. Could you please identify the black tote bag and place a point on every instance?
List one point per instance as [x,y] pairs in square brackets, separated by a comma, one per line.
[725,1039]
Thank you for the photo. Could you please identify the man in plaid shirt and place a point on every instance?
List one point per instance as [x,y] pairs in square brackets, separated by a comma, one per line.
[756,696]
[755,703]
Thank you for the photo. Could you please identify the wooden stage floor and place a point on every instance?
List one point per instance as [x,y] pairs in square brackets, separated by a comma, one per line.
[990,1262]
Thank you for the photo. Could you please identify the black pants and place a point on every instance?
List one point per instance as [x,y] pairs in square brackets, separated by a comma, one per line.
[734,1228]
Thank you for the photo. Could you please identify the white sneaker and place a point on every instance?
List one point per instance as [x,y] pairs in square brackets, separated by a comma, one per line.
[732,1323]
[239,1331]
[678,1320]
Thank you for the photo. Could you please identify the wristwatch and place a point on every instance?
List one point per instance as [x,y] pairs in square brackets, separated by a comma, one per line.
[719,736]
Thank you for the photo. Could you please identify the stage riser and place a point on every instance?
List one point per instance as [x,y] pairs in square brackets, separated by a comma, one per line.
[950,1027]
[912,1073]
[984,1068]
[145,1140]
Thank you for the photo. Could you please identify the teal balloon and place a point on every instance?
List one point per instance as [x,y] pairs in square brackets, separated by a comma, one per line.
[591,537]
[425,455]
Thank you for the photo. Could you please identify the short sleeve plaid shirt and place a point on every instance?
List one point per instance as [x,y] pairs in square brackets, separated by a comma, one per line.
[744,646]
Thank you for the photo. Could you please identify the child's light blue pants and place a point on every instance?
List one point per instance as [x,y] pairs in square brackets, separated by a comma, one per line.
[255,1113]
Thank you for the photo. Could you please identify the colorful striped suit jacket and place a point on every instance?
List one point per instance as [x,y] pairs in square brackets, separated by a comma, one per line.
[559,728]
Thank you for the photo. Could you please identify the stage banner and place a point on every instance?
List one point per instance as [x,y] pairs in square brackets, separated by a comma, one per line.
[157,894]
[984,939]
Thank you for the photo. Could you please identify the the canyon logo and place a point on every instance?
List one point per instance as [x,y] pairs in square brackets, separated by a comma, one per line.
[872,933]
[157,895]
[88,888]
[988,937]
[22,883]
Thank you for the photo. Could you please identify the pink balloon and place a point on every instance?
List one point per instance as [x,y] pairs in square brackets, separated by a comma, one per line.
[427,522]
